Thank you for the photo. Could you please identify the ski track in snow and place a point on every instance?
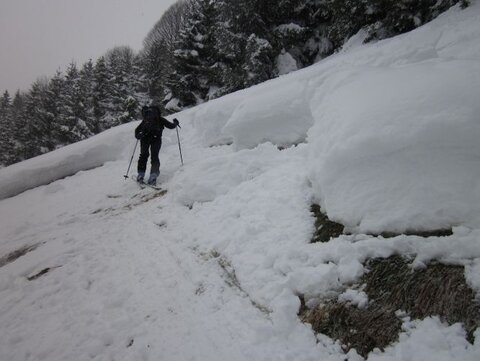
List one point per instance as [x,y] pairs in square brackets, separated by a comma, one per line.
[134,292]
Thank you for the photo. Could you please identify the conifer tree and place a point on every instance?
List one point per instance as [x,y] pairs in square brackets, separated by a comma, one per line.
[195,55]
[87,86]
[118,63]
[230,53]
[125,83]
[19,132]
[129,114]
[54,106]
[243,44]
[5,102]
[157,58]
[296,30]
[39,125]
[7,145]
[139,81]
[199,50]
[101,89]
[73,127]
[258,61]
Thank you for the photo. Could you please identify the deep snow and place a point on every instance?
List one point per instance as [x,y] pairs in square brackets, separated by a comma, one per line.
[383,136]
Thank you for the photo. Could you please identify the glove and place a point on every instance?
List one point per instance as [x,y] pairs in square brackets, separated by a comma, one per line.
[175,121]
[139,133]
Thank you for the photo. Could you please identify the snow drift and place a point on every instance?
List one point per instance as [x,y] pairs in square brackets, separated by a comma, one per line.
[397,148]
[87,154]
[393,127]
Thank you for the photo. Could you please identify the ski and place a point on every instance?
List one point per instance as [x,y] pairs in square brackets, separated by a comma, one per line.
[143,185]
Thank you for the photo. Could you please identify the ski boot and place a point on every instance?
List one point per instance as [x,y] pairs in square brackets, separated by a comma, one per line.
[153,179]
[140,177]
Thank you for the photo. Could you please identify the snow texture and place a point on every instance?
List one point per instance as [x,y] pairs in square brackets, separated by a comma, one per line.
[255,120]
[383,136]
[355,41]
[285,63]
[430,340]
[354,298]
[291,27]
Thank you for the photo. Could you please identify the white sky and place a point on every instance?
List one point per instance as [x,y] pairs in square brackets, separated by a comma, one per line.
[37,37]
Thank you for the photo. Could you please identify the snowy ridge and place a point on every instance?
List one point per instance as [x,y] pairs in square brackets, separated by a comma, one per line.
[87,154]
[385,139]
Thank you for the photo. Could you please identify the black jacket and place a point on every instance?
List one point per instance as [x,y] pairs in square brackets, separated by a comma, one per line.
[153,129]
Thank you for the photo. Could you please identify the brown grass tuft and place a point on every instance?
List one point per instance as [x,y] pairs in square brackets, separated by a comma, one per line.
[325,229]
[391,285]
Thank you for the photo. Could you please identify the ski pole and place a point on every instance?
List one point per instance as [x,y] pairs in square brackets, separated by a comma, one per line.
[179,147]
[131,159]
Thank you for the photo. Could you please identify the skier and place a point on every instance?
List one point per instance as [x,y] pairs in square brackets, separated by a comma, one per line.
[150,134]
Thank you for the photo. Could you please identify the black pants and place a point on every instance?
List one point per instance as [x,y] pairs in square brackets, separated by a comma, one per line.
[152,145]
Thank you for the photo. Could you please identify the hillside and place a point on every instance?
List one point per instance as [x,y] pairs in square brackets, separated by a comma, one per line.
[380,138]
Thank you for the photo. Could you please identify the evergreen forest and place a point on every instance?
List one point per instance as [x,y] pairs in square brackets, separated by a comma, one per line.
[197,51]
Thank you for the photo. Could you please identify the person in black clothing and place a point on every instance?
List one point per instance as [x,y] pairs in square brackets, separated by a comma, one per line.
[150,134]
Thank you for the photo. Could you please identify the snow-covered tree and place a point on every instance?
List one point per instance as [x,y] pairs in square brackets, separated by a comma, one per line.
[87,87]
[243,44]
[7,144]
[118,61]
[38,129]
[157,57]
[72,124]
[124,82]
[197,51]
[53,104]
[194,55]
[19,126]
[101,91]
[129,114]
[258,61]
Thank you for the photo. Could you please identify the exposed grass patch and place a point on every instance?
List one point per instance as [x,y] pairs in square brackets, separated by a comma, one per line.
[12,256]
[361,329]
[391,285]
[438,289]
[325,229]
[425,234]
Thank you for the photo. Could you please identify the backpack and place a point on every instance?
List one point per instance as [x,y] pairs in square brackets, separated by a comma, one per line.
[150,118]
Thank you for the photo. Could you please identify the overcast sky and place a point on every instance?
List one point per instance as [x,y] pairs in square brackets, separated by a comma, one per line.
[37,37]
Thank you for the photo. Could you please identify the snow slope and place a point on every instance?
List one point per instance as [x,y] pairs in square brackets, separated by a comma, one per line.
[385,139]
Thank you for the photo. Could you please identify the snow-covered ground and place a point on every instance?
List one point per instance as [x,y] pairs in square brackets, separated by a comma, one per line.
[384,136]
